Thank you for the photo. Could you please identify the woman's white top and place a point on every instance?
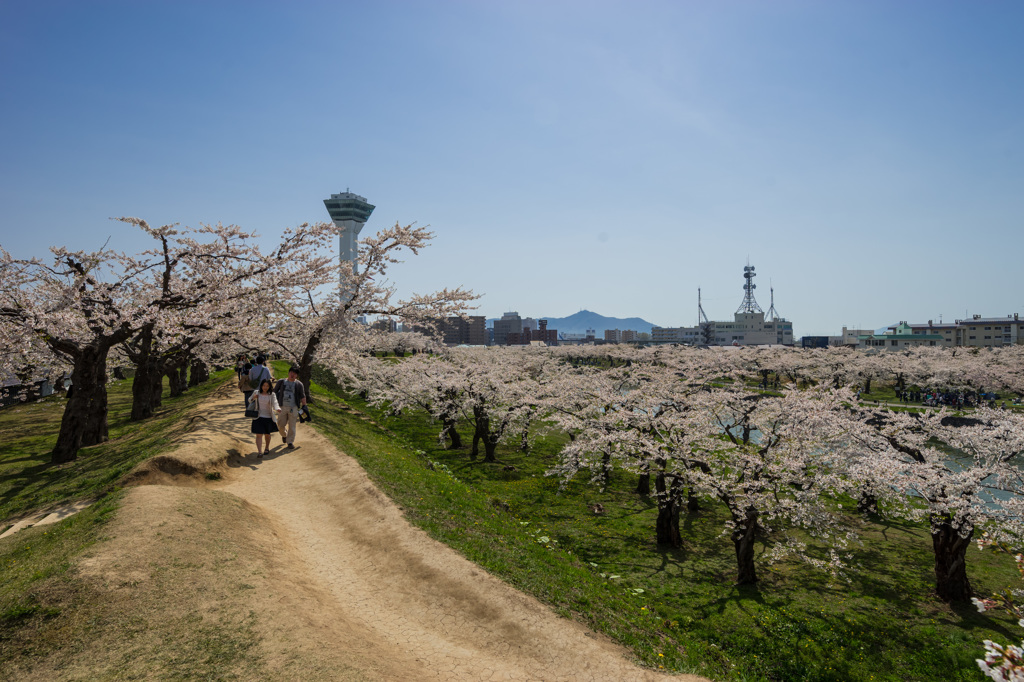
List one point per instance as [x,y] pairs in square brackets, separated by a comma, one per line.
[266,403]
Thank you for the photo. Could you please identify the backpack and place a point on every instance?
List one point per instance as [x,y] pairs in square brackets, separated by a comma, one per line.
[264,373]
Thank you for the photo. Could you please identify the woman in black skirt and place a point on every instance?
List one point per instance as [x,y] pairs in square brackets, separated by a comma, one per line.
[264,425]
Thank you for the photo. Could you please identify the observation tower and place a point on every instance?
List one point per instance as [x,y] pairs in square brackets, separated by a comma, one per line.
[749,304]
[349,212]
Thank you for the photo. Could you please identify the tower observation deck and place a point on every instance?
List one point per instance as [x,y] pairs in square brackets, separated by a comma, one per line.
[349,212]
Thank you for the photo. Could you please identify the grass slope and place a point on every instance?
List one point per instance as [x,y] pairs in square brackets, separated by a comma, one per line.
[49,615]
[28,433]
[676,608]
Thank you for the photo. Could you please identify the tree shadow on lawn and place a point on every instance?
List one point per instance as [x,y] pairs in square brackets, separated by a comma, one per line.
[658,563]
[971,620]
[739,596]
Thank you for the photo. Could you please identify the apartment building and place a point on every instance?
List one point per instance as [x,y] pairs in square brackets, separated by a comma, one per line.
[471,331]
[980,332]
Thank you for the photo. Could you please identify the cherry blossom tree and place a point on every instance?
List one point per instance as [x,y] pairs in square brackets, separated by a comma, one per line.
[428,382]
[956,477]
[318,312]
[80,305]
[498,394]
[686,417]
[199,284]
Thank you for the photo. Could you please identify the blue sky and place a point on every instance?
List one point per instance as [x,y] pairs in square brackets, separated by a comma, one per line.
[867,157]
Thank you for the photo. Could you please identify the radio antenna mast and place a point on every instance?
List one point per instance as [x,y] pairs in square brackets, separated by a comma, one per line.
[749,304]
[772,314]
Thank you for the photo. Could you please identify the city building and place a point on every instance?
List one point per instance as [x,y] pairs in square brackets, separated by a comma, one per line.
[946,331]
[469,331]
[896,337]
[509,322]
[385,324]
[850,337]
[983,332]
[814,341]
[548,337]
[621,336]
[750,325]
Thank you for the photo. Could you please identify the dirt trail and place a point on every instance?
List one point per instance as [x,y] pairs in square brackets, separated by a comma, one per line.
[354,583]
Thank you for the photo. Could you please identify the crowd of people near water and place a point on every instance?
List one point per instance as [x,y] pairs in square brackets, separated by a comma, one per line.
[955,398]
[274,407]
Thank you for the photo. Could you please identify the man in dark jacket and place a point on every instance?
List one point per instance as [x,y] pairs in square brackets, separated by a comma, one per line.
[291,396]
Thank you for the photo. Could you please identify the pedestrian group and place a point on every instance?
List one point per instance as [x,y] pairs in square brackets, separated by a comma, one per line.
[273,408]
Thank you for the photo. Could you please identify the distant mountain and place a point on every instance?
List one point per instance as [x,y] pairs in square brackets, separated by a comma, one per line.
[579,323]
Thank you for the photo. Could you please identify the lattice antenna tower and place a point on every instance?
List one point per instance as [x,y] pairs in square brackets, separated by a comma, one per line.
[772,314]
[707,332]
[749,304]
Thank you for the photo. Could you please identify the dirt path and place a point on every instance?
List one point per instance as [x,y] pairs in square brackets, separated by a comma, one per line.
[355,587]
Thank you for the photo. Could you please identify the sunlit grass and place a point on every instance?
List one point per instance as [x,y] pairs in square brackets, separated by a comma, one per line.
[677,608]
[28,433]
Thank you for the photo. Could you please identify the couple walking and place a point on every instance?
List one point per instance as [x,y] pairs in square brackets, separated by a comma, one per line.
[283,400]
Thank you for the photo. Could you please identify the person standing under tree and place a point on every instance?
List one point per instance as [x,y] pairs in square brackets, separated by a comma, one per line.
[291,395]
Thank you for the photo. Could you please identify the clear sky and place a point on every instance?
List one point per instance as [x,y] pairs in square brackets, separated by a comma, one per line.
[867,157]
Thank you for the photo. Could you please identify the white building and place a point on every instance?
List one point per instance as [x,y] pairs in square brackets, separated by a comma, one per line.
[750,325]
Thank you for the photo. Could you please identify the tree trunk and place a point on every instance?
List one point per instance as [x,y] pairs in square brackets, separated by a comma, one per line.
[147,373]
[481,431]
[490,447]
[606,468]
[85,417]
[743,539]
[951,583]
[643,484]
[448,431]
[148,383]
[198,373]
[176,377]
[306,363]
[96,417]
[867,504]
[172,382]
[156,398]
[867,385]
[692,503]
[667,523]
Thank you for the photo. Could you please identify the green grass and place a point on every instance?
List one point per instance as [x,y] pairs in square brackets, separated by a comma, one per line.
[676,608]
[30,563]
[45,607]
[28,433]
